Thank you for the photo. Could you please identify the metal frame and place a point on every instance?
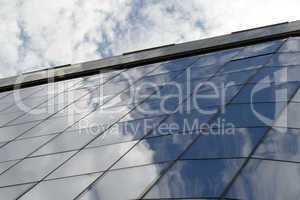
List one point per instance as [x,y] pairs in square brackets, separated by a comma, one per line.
[157,54]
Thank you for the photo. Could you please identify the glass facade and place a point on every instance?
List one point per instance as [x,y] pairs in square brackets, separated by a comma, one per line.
[221,125]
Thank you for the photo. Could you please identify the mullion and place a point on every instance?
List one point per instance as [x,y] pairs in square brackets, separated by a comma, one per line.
[42,120]
[67,105]
[210,120]
[139,140]
[99,178]
[144,75]
[12,120]
[254,149]
[40,136]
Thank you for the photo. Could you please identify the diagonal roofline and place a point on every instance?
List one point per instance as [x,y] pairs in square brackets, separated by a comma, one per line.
[156,54]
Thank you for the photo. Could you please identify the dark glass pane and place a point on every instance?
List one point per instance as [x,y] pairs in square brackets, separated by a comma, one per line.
[223,143]
[246,64]
[195,178]
[217,58]
[214,96]
[250,115]
[267,180]
[185,121]
[174,65]
[277,75]
[260,49]
[196,72]
[266,92]
[235,78]
[137,179]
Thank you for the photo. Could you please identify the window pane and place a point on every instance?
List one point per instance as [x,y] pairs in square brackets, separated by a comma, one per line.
[291,45]
[284,59]
[67,188]
[195,178]
[21,148]
[127,131]
[280,145]
[11,132]
[290,116]
[220,144]
[255,93]
[260,49]
[92,160]
[245,64]
[32,169]
[67,141]
[184,122]
[137,180]
[277,75]
[251,115]
[267,180]
[10,193]
[5,165]
[235,78]
[155,150]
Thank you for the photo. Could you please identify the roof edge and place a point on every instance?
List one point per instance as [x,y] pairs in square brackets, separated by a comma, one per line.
[235,39]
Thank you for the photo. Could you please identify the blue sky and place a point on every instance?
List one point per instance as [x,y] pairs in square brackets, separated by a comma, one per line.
[38,34]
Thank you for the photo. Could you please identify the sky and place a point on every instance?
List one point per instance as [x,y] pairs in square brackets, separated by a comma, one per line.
[36,34]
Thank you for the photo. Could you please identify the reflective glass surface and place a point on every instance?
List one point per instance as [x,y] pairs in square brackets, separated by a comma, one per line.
[251,115]
[94,159]
[195,178]
[20,148]
[266,92]
[155,150]
[280,145]
[246,64]
[285,59]
[289,117]
[127,131]
[13,192]
[176,129]
[60,188]
[260,49]
[277,75]
[32,169]
[292,45]
[12,132]
[137,179]
[225,144]
[263,179]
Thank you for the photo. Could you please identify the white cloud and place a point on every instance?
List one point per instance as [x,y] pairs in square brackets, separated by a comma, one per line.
[38,33]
